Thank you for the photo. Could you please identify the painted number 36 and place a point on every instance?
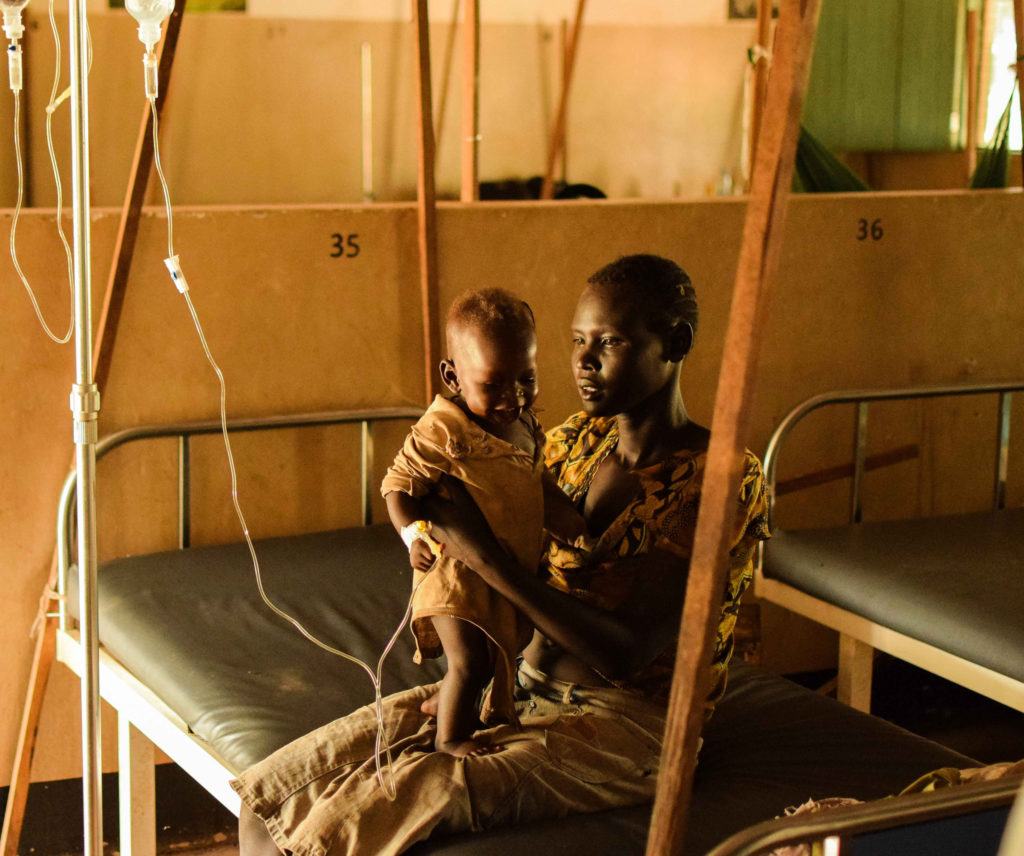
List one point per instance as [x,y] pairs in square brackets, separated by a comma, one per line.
[869,229]
[344,246]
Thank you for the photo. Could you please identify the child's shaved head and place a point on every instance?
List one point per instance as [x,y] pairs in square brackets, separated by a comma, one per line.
[492,312]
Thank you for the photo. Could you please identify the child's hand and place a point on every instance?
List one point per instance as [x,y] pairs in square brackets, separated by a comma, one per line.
[420,556]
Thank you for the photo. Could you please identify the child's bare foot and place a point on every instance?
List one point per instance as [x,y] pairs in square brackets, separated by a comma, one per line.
[467,748]
[429,707]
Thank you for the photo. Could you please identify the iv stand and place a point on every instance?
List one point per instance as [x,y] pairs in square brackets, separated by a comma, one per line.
[85,406]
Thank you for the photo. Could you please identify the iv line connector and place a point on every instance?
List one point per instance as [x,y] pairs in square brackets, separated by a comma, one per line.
[152,74]
[14,66]
[85,408]
[173,265]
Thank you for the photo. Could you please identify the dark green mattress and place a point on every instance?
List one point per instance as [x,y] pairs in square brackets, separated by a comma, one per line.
[190,625]
[954,582]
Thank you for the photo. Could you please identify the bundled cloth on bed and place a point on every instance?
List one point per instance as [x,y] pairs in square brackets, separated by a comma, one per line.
[191,626]
[953,582]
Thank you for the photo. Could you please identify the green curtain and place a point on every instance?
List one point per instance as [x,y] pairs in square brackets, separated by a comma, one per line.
[993,169]
[820,171]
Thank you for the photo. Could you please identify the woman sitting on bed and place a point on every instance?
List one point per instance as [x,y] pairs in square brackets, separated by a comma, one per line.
[595,677]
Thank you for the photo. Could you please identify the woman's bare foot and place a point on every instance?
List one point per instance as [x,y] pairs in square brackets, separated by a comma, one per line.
[429,707]
[467,748]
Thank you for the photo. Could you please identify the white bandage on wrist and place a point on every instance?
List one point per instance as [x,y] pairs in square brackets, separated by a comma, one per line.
[419,530]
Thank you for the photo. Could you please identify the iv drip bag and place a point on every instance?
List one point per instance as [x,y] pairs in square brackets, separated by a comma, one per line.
[150,14]
[13,27]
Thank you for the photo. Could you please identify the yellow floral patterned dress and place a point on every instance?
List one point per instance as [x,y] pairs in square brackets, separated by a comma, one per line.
[662,516]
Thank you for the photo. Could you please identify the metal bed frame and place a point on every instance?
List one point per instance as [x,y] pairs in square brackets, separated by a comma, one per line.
[858,636]
[144,721]
[876,816]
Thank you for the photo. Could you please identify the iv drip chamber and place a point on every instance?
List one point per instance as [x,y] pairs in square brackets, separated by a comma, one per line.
[13,27]
[150,14]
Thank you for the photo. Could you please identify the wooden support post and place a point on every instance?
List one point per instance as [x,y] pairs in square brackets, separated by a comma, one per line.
[971,141]
[755,274]
[446,75]
[558,134]
[1018,23]
[17,796]
[856,662]
[470,191]
[426,203]
[564,44]
[136,783]
[106,335]
[762,66]
[131,211]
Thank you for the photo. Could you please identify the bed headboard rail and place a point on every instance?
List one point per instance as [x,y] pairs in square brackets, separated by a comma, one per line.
[862,398]
[185,431]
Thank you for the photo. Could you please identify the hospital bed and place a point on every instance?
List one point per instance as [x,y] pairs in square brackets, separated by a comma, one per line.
[944,593]
[195,664]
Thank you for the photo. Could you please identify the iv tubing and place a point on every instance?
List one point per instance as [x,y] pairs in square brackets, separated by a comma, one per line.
[381,743]
[55,102]
[60,340]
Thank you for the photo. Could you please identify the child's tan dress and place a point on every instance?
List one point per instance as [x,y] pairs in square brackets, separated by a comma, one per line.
[505,482]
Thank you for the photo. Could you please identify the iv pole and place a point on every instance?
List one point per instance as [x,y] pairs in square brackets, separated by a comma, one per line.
[85,406]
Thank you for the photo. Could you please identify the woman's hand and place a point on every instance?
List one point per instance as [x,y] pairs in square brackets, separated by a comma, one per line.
[458,523]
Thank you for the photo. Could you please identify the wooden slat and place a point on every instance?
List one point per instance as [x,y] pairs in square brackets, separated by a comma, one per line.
[844,471]
[17,795]
[105,338]
[1018,23]
[761,68]
[971,141]
[426,199]
[135,196]
[446,75]
[470,191]
[558,134]
[758,263]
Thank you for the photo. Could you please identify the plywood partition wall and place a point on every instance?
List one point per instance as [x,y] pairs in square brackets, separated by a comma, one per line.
[296,328]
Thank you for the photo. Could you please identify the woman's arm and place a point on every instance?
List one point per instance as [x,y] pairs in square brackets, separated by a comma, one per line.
[615,645]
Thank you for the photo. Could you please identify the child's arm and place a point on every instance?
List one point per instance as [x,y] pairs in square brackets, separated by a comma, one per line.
[561,518]
[403,510]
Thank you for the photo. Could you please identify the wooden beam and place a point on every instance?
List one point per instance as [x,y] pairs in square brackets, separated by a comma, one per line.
[762,66]
[558,134]
[971,141]
[17,796]
[564,43]
[426,199]
[898,455]
[135,197]
[470,191]
[106,336]
[1018,23]
[446,75]
[988,17]
[760,252]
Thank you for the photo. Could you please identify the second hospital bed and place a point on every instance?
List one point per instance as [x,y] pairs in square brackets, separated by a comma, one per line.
[195,664]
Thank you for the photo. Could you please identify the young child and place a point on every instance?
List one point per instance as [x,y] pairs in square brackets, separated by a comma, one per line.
[486,436]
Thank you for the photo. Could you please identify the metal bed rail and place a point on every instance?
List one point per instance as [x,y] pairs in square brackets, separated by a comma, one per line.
[862,398]
[876,816]
[185,431]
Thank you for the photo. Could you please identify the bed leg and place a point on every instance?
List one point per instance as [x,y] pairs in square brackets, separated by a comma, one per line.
[856,660]
[136,790]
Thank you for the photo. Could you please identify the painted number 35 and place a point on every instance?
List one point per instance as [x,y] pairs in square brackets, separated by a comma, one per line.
[344,246]
[869,229]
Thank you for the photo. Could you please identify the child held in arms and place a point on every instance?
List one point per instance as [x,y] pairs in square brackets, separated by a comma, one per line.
[485,435]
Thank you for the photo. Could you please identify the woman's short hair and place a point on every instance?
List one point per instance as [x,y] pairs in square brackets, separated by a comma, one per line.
[658,287]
